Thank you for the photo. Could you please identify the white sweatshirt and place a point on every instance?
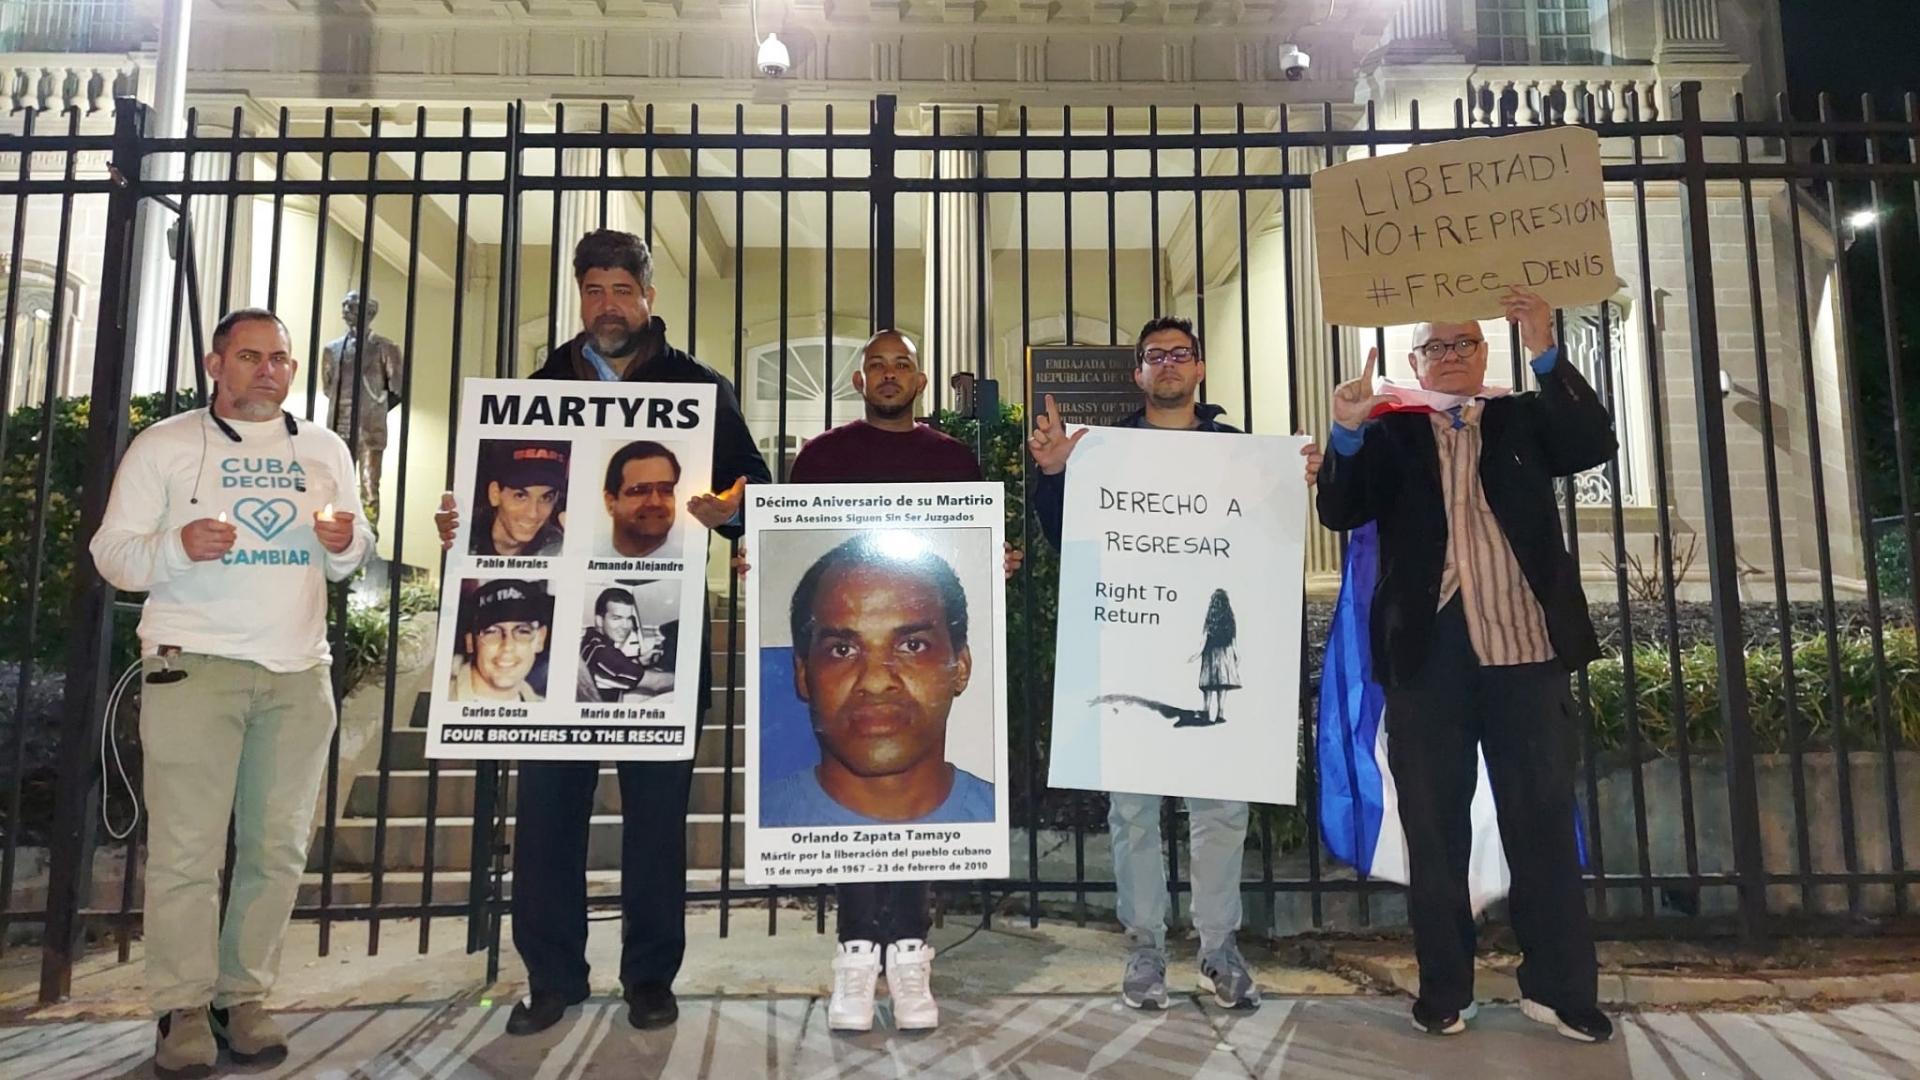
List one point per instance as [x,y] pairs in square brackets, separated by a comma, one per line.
[266,599]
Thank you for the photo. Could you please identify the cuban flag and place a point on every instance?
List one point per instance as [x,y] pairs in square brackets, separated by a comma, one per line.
[1359,813]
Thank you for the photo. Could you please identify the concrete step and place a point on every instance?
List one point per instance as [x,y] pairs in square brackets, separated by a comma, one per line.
[399,887]
[408,748]
[406,840]
[453,795]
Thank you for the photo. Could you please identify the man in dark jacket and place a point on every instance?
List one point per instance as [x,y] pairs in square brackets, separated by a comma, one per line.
[1170,368]
[1477,618]
[623,341]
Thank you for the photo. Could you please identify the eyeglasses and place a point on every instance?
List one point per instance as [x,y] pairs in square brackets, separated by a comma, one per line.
[1159,357]
[1463,348]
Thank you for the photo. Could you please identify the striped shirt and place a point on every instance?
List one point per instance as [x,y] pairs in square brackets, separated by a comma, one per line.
[1504,618]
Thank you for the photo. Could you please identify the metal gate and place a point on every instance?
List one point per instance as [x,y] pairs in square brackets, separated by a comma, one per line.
[1750,748]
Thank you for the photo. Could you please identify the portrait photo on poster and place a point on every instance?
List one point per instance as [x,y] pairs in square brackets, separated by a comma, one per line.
[503,641]
[641,495]
[520,498]
[630,641]
[874,707]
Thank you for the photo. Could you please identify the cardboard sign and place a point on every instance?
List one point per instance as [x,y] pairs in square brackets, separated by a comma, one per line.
[1439,232]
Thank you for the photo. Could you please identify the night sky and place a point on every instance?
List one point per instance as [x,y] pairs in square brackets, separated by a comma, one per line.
[1854,47]
[1851,47]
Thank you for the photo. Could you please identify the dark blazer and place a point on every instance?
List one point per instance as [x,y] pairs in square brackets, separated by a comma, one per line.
[1393,480]
[1050,492]
[734,452]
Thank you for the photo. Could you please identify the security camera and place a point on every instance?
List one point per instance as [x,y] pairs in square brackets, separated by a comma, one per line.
[1294,62]
[774,59]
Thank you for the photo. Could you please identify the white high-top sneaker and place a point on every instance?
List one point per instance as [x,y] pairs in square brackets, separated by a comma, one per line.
[855,971]
[910,985]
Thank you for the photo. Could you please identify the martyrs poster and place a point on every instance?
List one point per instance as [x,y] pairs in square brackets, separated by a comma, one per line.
[573,602]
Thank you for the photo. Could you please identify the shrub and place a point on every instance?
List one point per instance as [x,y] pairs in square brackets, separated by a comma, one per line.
[65,456]
[362,652]
[1893,570]
[1812,716]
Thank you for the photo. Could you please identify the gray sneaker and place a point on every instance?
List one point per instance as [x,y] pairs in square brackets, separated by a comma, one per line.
[1233,986]
[1145,984]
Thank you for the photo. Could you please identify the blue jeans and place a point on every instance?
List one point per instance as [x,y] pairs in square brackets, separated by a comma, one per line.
[1218,839]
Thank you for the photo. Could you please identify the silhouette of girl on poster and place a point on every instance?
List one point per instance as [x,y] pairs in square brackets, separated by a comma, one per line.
[1219,663]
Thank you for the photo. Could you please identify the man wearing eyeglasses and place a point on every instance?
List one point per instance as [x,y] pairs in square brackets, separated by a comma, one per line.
[640,485]
[507,636]
[1170,368]
[1476,621]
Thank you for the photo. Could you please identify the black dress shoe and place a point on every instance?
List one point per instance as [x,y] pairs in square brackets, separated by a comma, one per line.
[538,1012]
[650,1008]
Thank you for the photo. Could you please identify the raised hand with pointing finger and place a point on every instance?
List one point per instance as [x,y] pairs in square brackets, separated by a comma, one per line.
[1051,445]
[1354,400]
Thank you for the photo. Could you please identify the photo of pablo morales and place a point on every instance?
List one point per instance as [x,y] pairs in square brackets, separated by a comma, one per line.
[520,497]
[642,498]
[630,642]
[500,651]
[866,657]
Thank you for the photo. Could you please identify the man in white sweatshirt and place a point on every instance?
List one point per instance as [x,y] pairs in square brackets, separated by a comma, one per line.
[232,519]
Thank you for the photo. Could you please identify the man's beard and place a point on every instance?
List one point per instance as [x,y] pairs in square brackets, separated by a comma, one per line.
[1169,397]
[255,409]
[890,412]
[614,339]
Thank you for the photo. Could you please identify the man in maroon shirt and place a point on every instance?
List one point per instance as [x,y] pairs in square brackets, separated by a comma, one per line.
[885,921]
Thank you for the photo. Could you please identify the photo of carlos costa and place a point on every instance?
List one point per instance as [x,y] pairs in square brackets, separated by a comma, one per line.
[880,653]
[505,639]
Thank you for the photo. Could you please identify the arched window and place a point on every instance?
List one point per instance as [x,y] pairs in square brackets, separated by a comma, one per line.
[33,333]
[806,388]
[1609,363]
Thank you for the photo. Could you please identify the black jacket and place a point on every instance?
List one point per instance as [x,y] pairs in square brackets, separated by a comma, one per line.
[1049,493]
[734,453]
[1393,480]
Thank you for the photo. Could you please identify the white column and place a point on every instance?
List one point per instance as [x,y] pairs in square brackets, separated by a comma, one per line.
[210,227]
[1313,344]
[579,215]
[153,269]
[1423,31]
[959,218]
[1690,30]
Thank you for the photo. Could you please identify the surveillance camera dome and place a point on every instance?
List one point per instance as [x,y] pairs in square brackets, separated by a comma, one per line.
[1294,62]
[774,60]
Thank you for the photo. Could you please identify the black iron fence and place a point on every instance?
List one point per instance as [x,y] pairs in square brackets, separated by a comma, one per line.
[1751,737]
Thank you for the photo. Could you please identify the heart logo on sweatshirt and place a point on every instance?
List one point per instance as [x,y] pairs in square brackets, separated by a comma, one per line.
[267,519]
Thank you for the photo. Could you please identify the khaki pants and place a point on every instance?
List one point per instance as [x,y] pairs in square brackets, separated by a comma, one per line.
[231,739]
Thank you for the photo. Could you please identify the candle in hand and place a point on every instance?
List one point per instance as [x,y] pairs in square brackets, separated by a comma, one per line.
[223,517]
[326,512]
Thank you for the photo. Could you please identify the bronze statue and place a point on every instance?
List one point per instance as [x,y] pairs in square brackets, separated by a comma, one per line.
[376,391]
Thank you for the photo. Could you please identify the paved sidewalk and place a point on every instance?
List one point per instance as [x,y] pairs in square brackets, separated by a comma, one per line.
[1038,1036]
[1017,1002]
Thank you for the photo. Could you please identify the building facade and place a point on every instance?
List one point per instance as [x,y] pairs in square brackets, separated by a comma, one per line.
[978,277]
